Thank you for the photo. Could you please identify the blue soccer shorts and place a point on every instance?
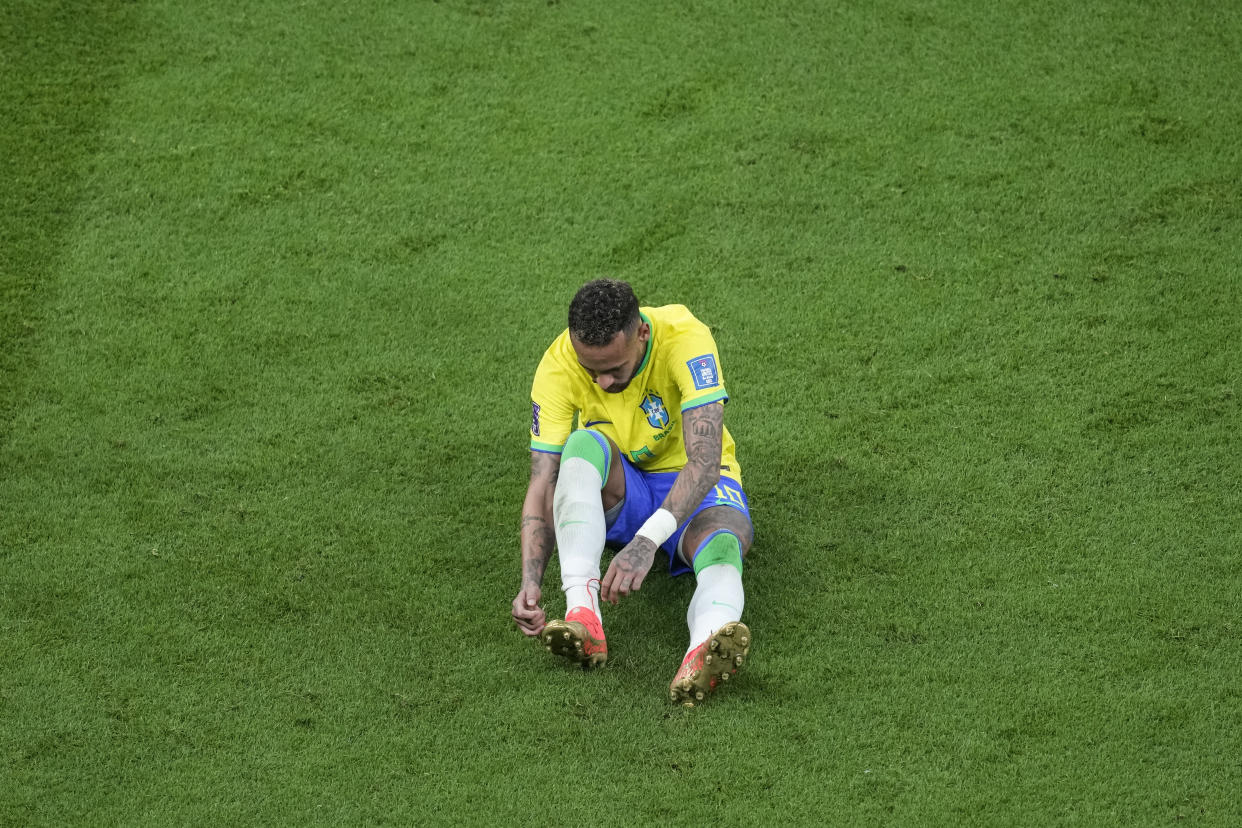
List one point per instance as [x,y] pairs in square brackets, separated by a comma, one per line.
[645,492]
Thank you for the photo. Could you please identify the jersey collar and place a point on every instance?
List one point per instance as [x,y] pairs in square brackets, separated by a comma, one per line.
[650,339]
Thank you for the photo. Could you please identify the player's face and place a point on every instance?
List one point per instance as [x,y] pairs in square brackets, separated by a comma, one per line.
[612,366]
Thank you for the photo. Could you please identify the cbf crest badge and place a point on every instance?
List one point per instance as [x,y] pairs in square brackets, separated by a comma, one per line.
[653,407]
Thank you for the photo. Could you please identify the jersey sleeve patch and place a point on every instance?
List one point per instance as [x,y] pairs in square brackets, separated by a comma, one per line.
[703,371]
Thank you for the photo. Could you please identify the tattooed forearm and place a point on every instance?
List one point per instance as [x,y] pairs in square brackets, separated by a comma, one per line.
[538,543]
[703,432]
[542,539]
[532,571]
[691,486]
[538,538]
[545,467]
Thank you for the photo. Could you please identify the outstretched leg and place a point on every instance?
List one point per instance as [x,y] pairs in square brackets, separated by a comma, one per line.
[719,642]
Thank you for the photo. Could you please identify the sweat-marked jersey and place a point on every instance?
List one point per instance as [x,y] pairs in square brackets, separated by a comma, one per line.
[680,371]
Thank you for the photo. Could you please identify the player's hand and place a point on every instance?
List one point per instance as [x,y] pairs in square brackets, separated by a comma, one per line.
[527,613]
[627,569]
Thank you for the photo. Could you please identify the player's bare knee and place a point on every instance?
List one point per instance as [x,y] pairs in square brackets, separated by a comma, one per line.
[713,520]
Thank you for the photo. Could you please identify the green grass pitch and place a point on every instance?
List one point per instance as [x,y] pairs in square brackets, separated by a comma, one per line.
[274,278]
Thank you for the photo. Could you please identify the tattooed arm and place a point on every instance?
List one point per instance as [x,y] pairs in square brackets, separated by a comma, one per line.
[703,433]
[538,540]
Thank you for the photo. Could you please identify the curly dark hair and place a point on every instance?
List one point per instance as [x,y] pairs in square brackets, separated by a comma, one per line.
[600,309]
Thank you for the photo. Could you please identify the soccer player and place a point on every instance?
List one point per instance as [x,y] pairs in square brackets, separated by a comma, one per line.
[629,450]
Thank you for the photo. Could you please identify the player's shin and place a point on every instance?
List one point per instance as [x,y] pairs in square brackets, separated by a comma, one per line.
[718,595]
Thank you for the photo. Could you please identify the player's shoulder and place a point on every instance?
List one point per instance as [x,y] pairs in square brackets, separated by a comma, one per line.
[675,328]
[558,358]
[673,318]
[560,348]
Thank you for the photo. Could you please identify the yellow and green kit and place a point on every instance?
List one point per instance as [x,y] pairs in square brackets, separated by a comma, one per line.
[680,371]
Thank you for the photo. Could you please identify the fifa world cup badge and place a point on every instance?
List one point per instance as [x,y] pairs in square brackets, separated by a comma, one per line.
[703,371]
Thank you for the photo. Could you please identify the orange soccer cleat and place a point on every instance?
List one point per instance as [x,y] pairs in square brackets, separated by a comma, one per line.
[580,638]
[710,664]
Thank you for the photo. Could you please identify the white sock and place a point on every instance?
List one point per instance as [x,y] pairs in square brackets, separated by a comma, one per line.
[578,512]
[718,599]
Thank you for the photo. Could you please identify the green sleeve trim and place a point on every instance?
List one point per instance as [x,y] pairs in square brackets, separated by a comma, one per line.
[707,399]
[551,448]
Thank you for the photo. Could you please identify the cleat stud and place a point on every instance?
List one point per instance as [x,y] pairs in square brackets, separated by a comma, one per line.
[565,636]
[724,676]
[707,660]
[738,661]
[744,641]
[698,695]
[715,644]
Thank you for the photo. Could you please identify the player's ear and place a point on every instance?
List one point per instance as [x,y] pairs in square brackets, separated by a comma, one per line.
[644,330]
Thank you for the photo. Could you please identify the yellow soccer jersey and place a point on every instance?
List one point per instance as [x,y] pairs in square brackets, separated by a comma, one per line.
[680,371]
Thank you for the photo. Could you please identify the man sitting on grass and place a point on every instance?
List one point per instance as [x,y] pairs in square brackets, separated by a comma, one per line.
[650,466]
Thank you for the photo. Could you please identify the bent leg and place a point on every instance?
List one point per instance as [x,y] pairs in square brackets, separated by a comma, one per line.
[588,462]
[578,516]
[591,480]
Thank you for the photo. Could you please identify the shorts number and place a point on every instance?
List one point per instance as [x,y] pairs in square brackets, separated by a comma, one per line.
[727,495]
